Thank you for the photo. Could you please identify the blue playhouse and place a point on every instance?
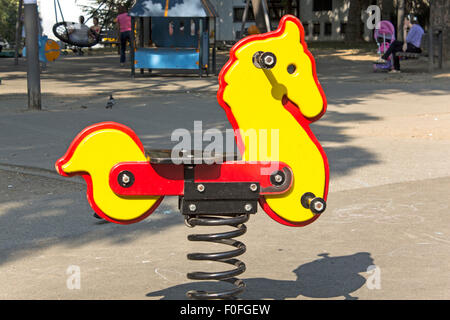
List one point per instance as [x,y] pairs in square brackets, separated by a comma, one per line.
[180,32]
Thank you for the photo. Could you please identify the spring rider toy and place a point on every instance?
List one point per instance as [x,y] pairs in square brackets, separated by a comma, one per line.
[269,83]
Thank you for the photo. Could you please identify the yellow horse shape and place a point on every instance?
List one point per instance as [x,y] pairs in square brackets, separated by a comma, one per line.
[285,98]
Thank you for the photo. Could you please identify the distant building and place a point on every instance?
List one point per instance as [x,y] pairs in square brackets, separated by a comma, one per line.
[323,20]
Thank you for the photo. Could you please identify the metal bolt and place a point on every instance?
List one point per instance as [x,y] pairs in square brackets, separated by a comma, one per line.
[253,187]
[201,188]
[192,207]
[126,178]
[268,60]
[278,178]
[248,207]
[318,206]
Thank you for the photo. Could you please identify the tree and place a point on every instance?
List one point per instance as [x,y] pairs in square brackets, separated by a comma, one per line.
[440,18]
[106,10]
[8,18]
[400,17]
[420,8]
[355,26]
[387,8]
[18,32]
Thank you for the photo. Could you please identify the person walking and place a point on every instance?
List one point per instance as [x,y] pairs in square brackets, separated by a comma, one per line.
[123,21]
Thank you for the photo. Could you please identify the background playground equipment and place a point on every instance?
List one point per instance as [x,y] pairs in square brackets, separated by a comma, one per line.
[269,83]
[180,34]
[63,29]
[49,50]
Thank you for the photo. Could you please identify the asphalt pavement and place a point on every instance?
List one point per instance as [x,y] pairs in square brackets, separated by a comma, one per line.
[384,235]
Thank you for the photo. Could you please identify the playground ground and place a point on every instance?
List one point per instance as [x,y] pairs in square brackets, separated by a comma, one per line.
[384,235]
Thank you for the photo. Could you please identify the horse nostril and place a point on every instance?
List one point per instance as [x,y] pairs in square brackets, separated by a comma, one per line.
[291,68]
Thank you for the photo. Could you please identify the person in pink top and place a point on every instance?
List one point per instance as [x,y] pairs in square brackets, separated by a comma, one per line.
[123,21]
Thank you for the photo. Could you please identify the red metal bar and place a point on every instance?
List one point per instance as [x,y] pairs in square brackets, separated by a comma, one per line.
[152,179]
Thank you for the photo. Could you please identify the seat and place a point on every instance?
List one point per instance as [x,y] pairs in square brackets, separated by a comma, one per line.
[413,55]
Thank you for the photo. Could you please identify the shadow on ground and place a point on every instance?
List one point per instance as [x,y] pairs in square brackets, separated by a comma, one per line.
[61,216]
[326,277]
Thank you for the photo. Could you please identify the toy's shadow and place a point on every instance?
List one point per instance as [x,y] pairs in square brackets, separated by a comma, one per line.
[325,277]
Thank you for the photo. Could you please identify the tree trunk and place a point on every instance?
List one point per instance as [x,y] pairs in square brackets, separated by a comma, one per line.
[353,32]
[18,32]
[386,9]
[440,18]
[400,17]
[289,7]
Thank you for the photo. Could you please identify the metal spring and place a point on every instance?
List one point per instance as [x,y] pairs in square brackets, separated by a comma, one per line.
[228,276]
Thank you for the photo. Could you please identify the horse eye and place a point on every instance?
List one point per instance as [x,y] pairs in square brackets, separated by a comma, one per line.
[291,68]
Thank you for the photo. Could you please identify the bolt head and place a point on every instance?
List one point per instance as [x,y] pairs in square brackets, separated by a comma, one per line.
[192,207]
[253,187]
[126,179]
[278,178]
[318,206]
[248,207]
[200,188]
[268,60]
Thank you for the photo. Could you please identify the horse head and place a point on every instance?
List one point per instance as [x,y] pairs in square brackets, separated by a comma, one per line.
[292,79]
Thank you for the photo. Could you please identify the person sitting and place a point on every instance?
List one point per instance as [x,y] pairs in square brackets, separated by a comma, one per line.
[79,33]
[95,28]
[411,43]
[94,32]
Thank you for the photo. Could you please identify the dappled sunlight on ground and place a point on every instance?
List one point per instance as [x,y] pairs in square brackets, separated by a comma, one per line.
[350,55]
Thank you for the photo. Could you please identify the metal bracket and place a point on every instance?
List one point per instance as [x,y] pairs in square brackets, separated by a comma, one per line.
[218,198]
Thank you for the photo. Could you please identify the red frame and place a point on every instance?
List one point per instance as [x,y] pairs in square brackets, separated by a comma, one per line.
[168,179]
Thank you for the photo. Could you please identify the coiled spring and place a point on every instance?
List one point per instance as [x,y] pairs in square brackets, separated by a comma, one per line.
[227,257]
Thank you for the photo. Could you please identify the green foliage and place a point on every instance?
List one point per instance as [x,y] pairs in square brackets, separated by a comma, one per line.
[8,18]
[420,8]
[105,10]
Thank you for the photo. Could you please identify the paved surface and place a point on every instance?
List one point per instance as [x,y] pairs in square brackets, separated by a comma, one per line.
[388,142]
